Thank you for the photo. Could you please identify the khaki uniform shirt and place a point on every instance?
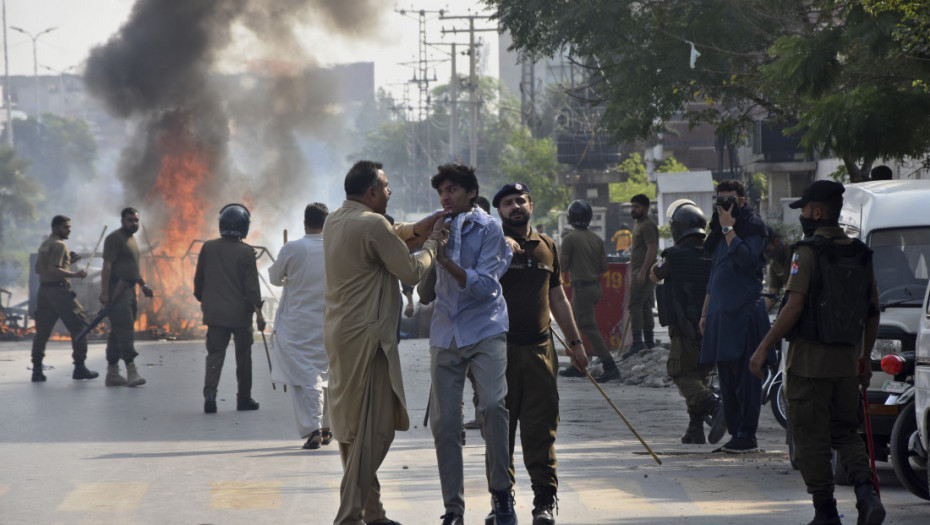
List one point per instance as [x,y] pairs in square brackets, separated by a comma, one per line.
[584,253]
[645,232]
[364,258]
[226,283]
[808,358]
[52,252]
[527,282]
[123,253]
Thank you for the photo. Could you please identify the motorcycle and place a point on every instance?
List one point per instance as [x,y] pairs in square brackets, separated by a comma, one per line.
[908,457]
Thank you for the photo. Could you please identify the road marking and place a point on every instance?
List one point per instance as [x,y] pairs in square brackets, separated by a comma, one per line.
[245,495]
[104,497]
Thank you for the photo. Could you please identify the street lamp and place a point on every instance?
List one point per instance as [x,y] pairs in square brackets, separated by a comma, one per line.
[35,61]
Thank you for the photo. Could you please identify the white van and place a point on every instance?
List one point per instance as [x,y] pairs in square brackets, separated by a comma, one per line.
[893,219]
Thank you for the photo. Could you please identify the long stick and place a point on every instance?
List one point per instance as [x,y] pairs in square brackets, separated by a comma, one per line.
[868,432]
[94,253]
[617,410]
[267,353]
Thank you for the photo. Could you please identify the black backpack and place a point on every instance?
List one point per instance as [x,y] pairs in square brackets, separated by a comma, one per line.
[839,298]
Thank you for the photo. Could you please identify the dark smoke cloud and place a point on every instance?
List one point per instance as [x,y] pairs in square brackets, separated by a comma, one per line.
[159,72]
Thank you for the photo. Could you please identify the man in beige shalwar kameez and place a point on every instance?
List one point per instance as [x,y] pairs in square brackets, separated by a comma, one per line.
[365,256]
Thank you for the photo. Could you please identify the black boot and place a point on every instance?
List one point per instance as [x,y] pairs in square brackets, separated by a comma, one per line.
[610,372]
[37,375]
[209,404]
[545,505]
[825,510]
[869,505]
[649,339]
[636,347]
[81,372]
[246,403]
[695,433]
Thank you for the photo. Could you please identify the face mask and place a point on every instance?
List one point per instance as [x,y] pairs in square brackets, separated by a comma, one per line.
[809,226]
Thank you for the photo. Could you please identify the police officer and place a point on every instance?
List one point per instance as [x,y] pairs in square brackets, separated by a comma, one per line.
[685,269]
[584,258]
[121,272]
[55,300]
[532,287]
[226,284]
[824,366]
[642,290]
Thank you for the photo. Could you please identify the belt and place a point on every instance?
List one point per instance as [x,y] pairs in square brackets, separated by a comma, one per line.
[526,339]
[577,284]
[55,284]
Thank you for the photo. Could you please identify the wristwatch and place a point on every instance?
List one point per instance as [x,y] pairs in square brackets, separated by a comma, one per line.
[576,342]
[726,229]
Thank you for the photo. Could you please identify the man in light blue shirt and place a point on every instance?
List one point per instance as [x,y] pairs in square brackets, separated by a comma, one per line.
[468,329]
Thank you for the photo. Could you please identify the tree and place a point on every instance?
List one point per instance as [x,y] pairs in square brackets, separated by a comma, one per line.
[60,152]
[18,196]
[637,179]
[835,72]
[533,162]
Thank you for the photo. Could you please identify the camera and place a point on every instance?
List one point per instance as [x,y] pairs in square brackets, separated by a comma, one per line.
[726,202]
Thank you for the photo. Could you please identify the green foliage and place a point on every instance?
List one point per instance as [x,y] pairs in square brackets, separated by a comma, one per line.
[844,76]
[533,162]
[637,180]
[18,197]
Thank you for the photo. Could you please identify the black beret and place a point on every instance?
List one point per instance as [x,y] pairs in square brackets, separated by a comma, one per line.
[509,189]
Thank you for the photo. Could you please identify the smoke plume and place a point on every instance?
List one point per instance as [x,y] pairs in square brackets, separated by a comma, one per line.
[260,137]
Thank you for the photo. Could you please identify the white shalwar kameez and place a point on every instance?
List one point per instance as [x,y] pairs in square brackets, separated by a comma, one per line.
[298,354]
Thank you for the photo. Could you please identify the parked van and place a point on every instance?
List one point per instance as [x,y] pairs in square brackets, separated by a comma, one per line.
[893,219]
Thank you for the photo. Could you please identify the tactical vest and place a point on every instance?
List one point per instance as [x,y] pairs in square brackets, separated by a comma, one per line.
[681,298]
[839,296]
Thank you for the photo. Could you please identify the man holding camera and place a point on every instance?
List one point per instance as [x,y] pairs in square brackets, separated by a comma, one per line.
[734,319]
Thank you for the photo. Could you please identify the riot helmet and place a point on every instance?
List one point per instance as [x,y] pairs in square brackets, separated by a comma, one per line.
[686,219]
[579,214]
[234,221]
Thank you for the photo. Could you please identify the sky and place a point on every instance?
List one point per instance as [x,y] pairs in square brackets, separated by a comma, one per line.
[81,25]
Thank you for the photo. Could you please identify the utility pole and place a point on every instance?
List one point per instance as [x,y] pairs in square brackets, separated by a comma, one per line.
[8,99]
[472,81]
[453,100]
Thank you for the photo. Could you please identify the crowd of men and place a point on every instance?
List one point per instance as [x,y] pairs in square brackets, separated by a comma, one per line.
[497,284]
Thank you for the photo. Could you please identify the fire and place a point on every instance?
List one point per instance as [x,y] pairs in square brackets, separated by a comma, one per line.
[180,193]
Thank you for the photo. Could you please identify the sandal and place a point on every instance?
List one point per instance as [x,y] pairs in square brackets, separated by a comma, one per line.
[313,441]
[327,437]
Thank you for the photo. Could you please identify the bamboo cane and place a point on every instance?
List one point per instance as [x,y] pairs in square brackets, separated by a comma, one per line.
[96,246]
[617,410]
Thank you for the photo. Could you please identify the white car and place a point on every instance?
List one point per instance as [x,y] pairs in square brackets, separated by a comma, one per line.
[922,383]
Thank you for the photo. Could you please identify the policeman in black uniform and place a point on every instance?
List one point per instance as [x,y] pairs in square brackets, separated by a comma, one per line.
[685,269]
[832,310]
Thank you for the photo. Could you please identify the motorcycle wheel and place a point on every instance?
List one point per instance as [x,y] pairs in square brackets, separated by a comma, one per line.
[909,466]
[780,405]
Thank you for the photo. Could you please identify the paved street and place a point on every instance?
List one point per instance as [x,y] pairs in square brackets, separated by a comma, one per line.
[80,453]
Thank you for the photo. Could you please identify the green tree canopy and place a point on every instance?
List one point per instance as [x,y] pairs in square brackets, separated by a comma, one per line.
[533,162]
[839,74]
[18,194]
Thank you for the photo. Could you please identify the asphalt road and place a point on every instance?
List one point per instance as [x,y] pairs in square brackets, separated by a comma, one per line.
[81,453]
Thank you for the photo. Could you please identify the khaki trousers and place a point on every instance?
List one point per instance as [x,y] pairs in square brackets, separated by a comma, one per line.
[360,492]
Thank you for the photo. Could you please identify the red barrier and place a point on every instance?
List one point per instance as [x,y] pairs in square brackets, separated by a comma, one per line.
[613,308]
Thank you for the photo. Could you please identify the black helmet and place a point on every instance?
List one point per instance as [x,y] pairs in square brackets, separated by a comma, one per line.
[579,214]
[234,221]
[686,219]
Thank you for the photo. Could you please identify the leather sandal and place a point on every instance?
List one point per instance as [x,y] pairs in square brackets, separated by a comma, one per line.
[313,441]
[327,437]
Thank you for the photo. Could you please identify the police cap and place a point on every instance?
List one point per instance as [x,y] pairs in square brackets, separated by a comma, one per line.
[820,191]
[509,189]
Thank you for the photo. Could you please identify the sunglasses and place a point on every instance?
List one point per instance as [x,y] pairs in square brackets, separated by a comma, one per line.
[727,201]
